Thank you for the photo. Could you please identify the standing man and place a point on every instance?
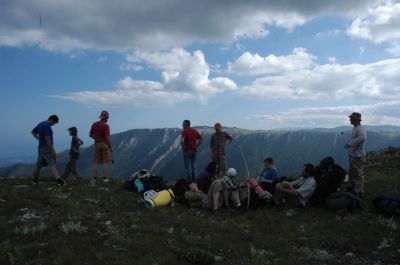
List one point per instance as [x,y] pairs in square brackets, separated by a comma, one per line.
[46,154]
[355,149]
[190,140]
[73,155]
[217,145]
[100,132]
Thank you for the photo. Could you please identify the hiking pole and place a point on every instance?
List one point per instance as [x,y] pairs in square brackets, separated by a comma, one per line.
[244,159]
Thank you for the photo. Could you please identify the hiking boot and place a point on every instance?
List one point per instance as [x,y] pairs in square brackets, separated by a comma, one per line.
[106,180]
[61,182]
[35,182]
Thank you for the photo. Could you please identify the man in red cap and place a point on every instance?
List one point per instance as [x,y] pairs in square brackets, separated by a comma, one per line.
[355,149]
[100,132]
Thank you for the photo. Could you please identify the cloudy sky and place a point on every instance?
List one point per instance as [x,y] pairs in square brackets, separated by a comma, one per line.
[250,64]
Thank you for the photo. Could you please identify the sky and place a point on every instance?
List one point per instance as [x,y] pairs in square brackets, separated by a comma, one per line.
[151,64]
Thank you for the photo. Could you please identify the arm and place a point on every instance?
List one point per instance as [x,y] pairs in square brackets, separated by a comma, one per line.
[359,138]
[199,140]
[35,134]
[228,138]
[108,141]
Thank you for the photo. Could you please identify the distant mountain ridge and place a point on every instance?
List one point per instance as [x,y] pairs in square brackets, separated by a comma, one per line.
[159,150]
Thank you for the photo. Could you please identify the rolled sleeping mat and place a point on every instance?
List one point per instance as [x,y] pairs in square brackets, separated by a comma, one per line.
[259,190]
[163,198]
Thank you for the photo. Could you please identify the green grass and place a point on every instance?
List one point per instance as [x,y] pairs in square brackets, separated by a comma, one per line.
[105,225]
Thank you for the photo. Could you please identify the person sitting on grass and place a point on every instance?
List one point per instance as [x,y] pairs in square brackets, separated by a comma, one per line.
[205,178]
[296,193]
[268,175]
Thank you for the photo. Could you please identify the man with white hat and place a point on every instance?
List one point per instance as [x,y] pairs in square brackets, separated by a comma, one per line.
[356,151]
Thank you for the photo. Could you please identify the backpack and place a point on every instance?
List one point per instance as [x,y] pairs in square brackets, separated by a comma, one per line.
[179,189]
[342,200]
[328,182]
[389,204]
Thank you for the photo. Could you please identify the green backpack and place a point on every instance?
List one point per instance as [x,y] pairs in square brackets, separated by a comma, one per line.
[342,200]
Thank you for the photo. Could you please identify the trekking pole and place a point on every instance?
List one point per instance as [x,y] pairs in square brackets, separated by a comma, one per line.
[244,159]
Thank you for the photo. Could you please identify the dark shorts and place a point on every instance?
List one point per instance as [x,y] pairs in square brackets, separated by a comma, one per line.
[45,159]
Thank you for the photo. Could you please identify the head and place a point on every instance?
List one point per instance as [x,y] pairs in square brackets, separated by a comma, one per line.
[218,126]
[231,172]
[104,116]
[308,170]
[355,118]
[212,167]
[186,124]
[326,162]
[53,119]
[73,130]
[268,162]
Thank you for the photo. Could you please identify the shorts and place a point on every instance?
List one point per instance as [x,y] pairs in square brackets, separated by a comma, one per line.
[45,159]
[102,153]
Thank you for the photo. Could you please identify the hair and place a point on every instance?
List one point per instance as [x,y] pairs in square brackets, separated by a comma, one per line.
[326,162]
[269,160]
[211,167]
[186,122]
[310,169]
[53,118]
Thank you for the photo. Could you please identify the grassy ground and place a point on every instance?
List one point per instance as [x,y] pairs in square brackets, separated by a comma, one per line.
[103,224]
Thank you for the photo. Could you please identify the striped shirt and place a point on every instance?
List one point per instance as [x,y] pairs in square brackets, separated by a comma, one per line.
[217,143]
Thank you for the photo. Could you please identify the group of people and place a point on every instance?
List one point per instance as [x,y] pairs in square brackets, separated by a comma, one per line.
[216,179]
[47,157]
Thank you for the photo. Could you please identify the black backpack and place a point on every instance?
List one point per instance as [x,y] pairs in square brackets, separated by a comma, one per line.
[342,200]
[179,189]
[389,204]
[328,182]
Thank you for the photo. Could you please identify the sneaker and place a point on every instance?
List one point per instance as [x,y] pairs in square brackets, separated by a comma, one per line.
[61,182]
[106,180]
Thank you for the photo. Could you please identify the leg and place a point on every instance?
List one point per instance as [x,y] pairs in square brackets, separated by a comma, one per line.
[188,165]
[356,174]
[105,170]
[224,166]
[54,171]
[67,169]
[193,165]
[36,172]
[73,168]
[95,170]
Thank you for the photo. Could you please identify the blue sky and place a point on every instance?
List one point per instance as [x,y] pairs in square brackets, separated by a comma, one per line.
[151,64]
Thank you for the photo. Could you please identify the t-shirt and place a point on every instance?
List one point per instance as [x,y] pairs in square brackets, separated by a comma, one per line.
[43,129]
[74,141]
[217,143]
[305,188]
[203,180]
[269,174]
[357,142]
[190,136]
[100,130]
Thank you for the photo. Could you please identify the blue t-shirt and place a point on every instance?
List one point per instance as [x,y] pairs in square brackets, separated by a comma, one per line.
[43,129]
[270,174]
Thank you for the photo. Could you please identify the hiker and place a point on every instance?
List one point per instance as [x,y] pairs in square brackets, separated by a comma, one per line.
[356,152]
[46,154]
[73,155]
[221,190]
[217,145]
[205,178]
[297,192]
[191,139]
[100,132]
[268,175]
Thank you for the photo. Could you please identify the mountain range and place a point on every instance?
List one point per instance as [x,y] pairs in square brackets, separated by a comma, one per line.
[159,150]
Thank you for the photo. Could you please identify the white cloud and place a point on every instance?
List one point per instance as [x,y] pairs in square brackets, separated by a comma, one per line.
[254,64]
[130,67]
[362,50]
[102,59]
[374,114]
[135,24]
[332,59]
[185,77]
[381,24]
[379,80]
[328,33]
